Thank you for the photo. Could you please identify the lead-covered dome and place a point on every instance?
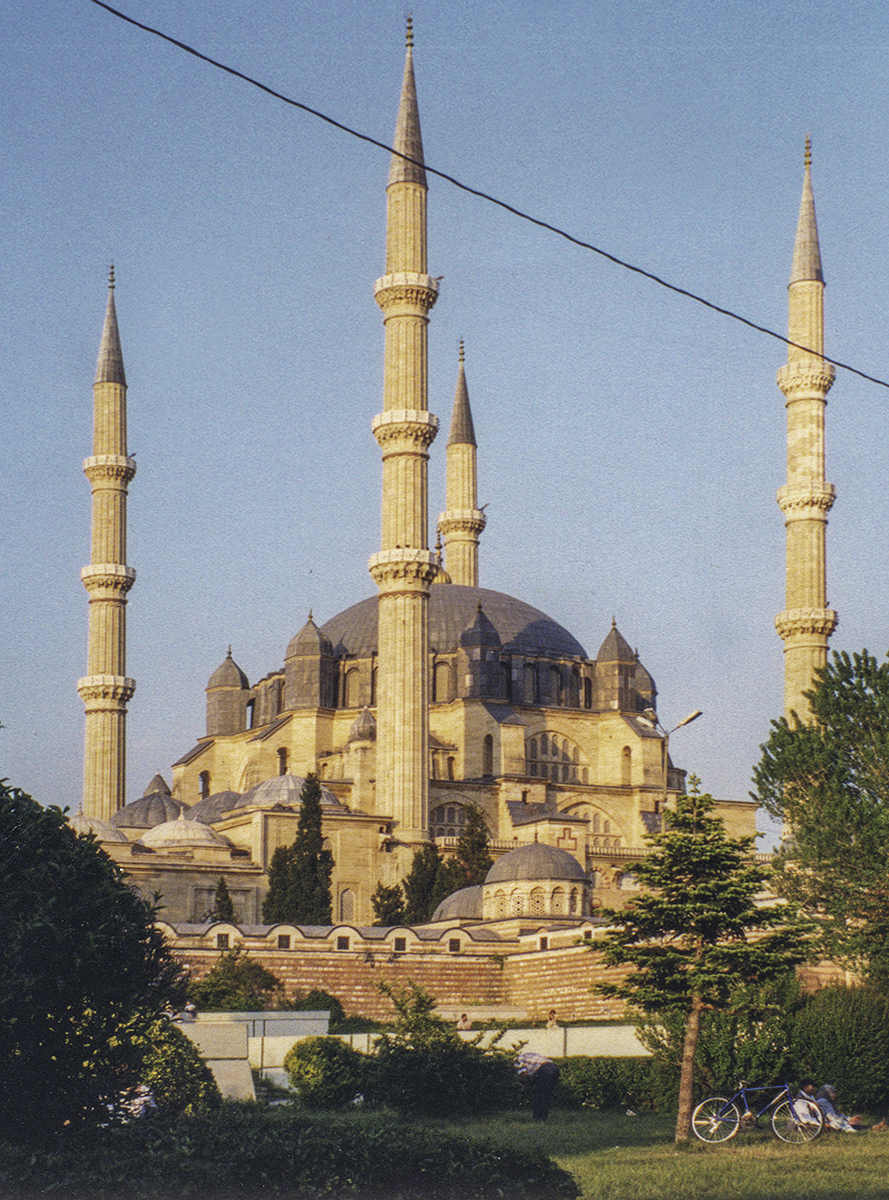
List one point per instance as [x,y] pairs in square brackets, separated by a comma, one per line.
[536,861]
[283,789]
[215,807]
[103,830]
[182,833]
[453,609]
[464,905]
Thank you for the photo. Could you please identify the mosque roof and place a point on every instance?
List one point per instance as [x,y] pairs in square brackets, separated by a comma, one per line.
[453,608]
[103,830]
[464,905]
[215,807]
[283,789]
[149,810]
[535,861]
[182,832]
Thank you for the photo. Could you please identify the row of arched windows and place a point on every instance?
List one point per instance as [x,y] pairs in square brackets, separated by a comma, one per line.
[550,756]
[537,902]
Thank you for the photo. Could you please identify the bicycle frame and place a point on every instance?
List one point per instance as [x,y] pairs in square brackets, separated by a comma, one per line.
[719,1118]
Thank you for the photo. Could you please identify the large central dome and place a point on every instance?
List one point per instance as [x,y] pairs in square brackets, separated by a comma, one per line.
[452,609]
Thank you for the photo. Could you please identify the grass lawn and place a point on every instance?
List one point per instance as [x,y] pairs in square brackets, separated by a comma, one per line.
[614,1157]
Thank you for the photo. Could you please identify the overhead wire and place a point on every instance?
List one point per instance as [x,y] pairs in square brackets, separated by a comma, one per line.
[464,187]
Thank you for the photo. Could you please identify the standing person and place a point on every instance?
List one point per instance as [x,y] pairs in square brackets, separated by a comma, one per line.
[539,1074]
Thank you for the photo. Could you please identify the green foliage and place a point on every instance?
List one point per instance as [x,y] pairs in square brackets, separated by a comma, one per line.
[420,895]
[244,1150]
[328,1073]
[320,1001]
[829,781]
[698,936]
[388,905]
[614,1083]
[425,1067]
[299,875]
[181,1082]
[84,972]
[236,984]
[841,1037]
[472,857]
[223,909]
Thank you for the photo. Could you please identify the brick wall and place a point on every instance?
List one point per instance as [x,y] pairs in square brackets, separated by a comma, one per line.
[561,979]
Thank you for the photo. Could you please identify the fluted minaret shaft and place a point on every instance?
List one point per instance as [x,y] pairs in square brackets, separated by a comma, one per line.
[105,690]
[462,521]
[404,567]
[806,623]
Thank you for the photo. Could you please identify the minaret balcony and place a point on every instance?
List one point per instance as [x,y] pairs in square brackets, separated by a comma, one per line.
[806,383]
[111,467]
[406,293]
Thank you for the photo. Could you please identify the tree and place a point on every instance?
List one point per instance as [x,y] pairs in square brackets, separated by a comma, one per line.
[829,782]
[698,936]
[237,983]
[388,904]
[85,972]
[299,875]
[223,909]
[419,885]
[472,854]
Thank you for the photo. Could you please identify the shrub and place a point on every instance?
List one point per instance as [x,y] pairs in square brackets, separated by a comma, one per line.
[605,1083]
[237,983]
[327,1073]
[318,1000]
[841,1037]
[181,1082]
[246,1150]
[425,1067]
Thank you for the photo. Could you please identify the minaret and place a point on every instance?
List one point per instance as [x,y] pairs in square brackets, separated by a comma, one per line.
[462,521]
[106,689]
[404,567]
[806,499]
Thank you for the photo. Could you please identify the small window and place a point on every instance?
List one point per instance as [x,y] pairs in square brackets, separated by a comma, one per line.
[453,945]
[400,945]
[544,943]
[283,941]
[222,941]
[282,760]
[342,943]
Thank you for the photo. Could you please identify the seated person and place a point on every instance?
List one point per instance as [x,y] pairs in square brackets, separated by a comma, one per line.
[833,1119]
[804,1103]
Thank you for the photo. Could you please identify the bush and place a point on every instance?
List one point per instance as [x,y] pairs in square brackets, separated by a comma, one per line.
[605,1083]
[425,1067]
[237,983]
[246,1150]
[181,1082]
[318,1000]
[327,1073]
[842,1037]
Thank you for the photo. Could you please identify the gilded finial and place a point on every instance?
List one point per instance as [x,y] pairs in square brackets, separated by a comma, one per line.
[808,151]
[409,36]
[462,355]
[111,278]
[438,546]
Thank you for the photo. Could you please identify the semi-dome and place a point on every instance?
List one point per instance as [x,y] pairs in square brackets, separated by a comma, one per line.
[228,674]
[535,861]
[283,789]
[103,830]
[181,833]
[465,905]
[215,807]
[452,609]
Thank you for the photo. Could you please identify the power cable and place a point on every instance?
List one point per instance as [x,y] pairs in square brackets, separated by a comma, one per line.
[464,187]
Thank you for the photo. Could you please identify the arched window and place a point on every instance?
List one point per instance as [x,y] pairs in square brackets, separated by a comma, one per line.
[555,686]
[517,903]
[441,682]
[500,904]
[282,760]
[350,688]
[557,904]
[204,779]
[373,685]
[530,684]
[450,766]
[538,902]
[588,693]
[572,901]
[574,691]
[544,746]
[347,905]
[488,755]
[506,682]
[626,766]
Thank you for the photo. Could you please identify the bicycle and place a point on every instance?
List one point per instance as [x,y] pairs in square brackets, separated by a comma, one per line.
[718,1118]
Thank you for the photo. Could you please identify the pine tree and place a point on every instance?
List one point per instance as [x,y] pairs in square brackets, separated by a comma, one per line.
[698,935]
[299,875]
[419,885]
[223,908]
[472,848]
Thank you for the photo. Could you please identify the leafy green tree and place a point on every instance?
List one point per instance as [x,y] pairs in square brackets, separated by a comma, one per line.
[698,935]
[388,904]
[181,1082]
[299,875]
[237,983]
[223,908]
[84,974]
[842,1035]
[419,885]
[829,782]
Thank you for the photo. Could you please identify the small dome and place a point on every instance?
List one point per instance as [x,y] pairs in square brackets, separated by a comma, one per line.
[465,905]
[149,810]
[283,789]
[215,807]
[103,830]
[535,861]
[364,727]
[482,631]
[182,833]
[309,641]
[228,674]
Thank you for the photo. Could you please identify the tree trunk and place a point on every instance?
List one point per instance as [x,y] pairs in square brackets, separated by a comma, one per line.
[686,1076]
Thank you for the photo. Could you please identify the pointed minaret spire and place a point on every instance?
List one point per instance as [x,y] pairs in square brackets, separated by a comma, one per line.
[405,567]
[806,623]
[106,689]
[463,521]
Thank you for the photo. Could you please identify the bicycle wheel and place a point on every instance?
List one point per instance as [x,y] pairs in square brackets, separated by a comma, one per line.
[715,1120]
[798,1122]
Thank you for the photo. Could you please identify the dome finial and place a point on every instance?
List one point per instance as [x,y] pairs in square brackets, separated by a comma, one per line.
[409,35]
[462,353]
[111,278]
[808,154]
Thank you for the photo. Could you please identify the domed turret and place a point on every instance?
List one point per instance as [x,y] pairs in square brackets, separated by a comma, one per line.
[228,693]
[309,669]
[536,880]
[480,644]
[364,727]
[622,683]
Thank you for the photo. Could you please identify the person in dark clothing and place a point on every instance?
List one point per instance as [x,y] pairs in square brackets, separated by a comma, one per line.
[539,1074]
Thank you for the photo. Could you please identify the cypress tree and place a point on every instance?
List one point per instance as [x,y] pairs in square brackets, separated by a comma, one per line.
[300,874]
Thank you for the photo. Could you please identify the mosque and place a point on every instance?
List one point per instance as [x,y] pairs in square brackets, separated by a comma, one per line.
[433,693]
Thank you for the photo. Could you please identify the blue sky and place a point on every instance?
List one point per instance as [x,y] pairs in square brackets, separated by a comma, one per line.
[630,442]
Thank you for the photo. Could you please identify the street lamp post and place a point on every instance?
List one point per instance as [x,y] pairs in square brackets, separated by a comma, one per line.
[651,715]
